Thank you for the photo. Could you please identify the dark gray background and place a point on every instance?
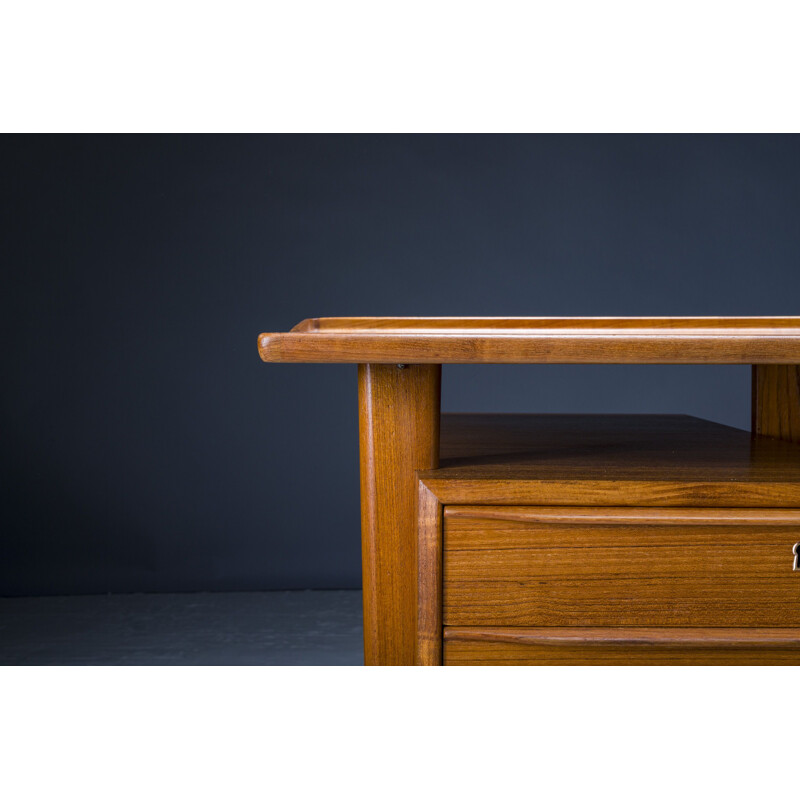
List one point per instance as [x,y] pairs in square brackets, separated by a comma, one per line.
[146,447]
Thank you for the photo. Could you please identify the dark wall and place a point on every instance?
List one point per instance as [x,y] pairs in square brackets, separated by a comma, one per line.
[146,447]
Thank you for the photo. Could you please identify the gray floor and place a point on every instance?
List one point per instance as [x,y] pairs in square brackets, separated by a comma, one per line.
[271,628]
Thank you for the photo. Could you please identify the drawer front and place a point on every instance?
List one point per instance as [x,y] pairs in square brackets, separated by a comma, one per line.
[515,654]
[507,566]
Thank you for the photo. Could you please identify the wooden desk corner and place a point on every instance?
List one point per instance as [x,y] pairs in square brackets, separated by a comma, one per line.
[399,376]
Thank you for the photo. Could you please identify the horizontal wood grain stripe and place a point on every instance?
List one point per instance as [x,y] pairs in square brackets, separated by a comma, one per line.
[622,515]
[460,653]
[667,637]
[500,535]
[605,562]
[686,460]
[730,346]
[741,494]
[528,323]
[675,601]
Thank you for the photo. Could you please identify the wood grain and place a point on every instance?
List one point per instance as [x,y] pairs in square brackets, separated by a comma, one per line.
[489,324]
[429,571]
[619,601]
[737,559]
[625,517]
[664,571]
[465,340]
[487,653]
[474,534]
[776,402]
[514,460]
[619,646]
[399,433]
[616,460]
[635,493]
[666,637]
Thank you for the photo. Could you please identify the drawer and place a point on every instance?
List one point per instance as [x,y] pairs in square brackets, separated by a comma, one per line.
[528,566]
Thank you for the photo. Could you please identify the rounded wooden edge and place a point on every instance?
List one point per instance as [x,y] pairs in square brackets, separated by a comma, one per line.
[628,516]
[633,346]
[269,347]
[589,323]
[665,637]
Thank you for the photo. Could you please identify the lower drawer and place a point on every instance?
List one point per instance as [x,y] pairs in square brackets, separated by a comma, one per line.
[621,646]
[528,566]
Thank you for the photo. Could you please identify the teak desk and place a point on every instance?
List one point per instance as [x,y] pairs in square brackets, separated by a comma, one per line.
[582,539]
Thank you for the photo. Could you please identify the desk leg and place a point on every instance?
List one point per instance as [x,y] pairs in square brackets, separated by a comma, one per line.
[398,411]
[776,401]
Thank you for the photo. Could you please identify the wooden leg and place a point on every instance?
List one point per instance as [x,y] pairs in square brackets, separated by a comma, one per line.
[399,434]
[776,401]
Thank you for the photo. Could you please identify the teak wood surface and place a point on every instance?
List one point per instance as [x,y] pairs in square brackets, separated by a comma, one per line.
[399,434]
[610,646]
[505,569]
[614,459]
[538,340]
[535,653]
[668,569]
[776,402]
[429,555]
[399,425]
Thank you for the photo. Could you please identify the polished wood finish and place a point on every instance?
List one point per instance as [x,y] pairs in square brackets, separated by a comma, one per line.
[540,340]
[564,324]
[429,570]
[667,569]
[399,433]
[623,516]
[537,653]
[689,581]
[634,466]
[616,460]
[776,401]
[788,638]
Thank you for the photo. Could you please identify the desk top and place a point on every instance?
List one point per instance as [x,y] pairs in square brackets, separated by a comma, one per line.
[537,340]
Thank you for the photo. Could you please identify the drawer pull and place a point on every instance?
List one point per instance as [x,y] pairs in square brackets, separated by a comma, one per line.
[796,566]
